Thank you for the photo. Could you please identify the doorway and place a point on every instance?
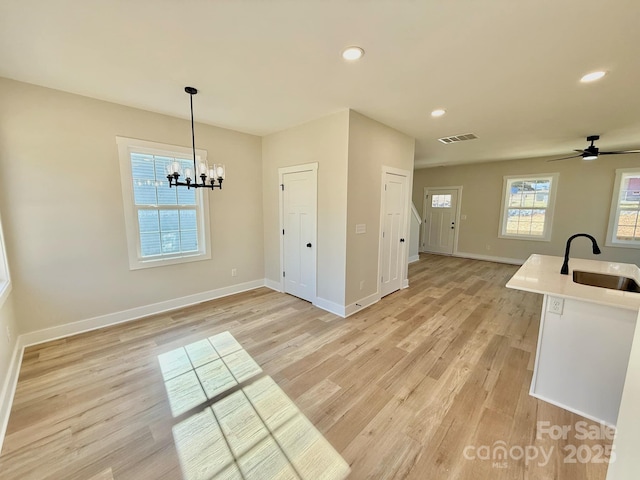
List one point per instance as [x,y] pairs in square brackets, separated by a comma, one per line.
[298,220]
[393,229]
[441,215]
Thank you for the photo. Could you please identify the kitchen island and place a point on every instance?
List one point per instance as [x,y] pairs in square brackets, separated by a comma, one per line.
[585,335]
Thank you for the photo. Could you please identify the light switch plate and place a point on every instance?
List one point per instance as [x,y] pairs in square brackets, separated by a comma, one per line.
[361,228]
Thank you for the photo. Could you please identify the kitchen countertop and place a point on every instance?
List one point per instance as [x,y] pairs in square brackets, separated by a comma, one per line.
[541,274]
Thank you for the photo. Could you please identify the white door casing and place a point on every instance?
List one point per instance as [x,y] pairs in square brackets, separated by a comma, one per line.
[298,215]
[393,231]
[441,218]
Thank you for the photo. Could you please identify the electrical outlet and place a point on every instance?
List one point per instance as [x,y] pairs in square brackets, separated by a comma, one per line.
[361,284]
[555,305]
[9,334]
[488,247]
[234,272]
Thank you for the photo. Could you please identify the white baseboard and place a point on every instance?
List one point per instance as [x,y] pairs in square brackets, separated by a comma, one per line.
[273,285]
[405,283]
[577,412]
[489,258]
[414,258]
[362,303]
[330,306]
[68,329]
[9,388]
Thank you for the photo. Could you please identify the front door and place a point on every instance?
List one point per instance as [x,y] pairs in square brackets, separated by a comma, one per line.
[439,226]
[299,233]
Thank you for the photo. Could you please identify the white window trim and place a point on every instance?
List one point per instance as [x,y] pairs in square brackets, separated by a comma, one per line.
[613,213]
[5,277]
[548,220]
[125,147]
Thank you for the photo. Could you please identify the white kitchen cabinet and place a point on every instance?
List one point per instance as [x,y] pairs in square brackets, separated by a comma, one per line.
[585,335]
[582,357]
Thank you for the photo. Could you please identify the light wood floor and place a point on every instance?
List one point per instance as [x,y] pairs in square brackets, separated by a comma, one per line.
[401,390]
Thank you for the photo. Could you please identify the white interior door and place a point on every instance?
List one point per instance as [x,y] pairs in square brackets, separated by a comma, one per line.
[394,232]
[439,226]
[299,233]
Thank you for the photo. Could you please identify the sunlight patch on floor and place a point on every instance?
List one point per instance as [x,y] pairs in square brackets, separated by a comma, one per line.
[251,430]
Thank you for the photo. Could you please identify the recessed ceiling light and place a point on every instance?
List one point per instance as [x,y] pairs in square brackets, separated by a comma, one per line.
[593,76]
[352,53]
[438,113]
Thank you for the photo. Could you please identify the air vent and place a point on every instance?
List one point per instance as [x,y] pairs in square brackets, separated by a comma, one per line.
[458,138]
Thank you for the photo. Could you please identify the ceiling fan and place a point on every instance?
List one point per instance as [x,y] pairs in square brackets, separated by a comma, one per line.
[592,152]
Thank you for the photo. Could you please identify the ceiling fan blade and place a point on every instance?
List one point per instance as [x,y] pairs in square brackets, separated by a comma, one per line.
[581,151]
[565,158]
[620,153]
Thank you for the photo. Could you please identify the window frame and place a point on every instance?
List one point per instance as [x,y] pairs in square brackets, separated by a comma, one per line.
[549,210]
[5,276]
[127,146]
[613,212]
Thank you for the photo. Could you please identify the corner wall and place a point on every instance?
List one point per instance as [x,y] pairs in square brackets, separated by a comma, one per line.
[62,211]
[324,141]
[371,145]
[583,202]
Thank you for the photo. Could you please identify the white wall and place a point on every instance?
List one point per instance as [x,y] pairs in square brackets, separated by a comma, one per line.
[325,141]
[371,145]
[7,319]
[62,212]
[7,374]
[627,439]
[414,235]
[582,205]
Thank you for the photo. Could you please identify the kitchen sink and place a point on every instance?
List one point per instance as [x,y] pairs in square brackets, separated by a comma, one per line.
[603,280]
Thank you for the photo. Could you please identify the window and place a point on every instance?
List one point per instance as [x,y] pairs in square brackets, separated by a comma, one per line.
[527,207]
[441,201]
[624,229]
[5,280]
[164,225]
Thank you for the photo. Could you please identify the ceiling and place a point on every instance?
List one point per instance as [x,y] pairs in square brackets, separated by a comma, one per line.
[505,70]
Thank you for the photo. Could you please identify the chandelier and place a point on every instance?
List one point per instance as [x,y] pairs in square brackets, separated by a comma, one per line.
[208,176]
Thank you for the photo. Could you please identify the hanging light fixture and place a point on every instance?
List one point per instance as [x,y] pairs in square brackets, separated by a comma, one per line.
[208,176]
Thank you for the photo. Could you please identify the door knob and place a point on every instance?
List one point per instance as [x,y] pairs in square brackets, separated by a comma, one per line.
[308,245]
[402,240]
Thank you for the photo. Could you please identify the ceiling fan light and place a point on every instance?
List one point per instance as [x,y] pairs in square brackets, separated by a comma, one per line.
[590,157]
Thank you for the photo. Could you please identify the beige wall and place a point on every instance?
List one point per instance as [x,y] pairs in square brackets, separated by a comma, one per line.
[63,215]
[371,145]
[324,141]
[582,205]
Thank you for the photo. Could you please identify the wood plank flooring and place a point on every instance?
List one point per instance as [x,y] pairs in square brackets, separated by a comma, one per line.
[408,388]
